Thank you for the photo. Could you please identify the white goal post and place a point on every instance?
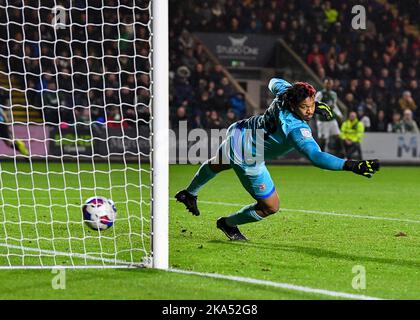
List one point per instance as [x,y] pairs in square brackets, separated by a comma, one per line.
[84,101]
[160,179]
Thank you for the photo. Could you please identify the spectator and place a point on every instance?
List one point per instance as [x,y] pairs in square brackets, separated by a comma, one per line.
[386,77]
[317,13]
[114,118]
[201,109]
[225,85]
[343,66]
[366,89]
[330,69]
[350,102]
[254,27]
[198,75]
[81,115]
[218,102]
[380,124]
[186,40]
[328,131]
[396,126]
[354,88]
[369,107]
[414,88]
[368,74]
[363,117]
[408,123]
[407,102]
[352,132]
[183,88]
[215,121]
[315,57]
[181,115]
[217,74]
[380,93]
[268,28]
[230,118]
[397,89]
[188,59]
[237,104]
[211,89]
[412,74]
[234,25]
[391,48]
[330,13]
[51,104]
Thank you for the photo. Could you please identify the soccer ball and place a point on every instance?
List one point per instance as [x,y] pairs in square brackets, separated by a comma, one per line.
[99,213]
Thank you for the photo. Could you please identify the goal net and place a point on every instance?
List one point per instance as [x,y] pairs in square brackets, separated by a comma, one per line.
[77,121]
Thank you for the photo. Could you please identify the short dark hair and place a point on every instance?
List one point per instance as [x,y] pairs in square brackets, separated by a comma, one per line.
[298,92]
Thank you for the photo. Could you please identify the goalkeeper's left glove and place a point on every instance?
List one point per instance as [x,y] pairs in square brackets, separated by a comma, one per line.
[324,110]
[364,167]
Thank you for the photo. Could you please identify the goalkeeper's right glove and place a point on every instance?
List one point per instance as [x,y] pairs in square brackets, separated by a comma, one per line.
[365,168]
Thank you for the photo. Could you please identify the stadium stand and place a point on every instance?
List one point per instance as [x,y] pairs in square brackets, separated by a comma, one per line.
[368,68]
[102,68]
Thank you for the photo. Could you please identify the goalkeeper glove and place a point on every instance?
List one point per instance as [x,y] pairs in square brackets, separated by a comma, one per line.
[324,110]
[364,167]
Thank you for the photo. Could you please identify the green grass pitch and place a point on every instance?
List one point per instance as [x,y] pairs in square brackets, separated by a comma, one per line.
[330,223]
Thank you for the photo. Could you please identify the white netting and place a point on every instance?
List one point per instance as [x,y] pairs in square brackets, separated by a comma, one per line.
[75,88]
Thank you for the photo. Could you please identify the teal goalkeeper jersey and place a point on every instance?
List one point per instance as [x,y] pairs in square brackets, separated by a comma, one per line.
[282,131]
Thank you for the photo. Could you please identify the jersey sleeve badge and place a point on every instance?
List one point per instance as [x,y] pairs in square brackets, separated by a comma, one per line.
[306,132]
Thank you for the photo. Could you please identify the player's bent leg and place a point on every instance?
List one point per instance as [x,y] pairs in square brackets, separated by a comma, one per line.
[258,183]
[268,206]
[232,232]
[217,167]
[207,171]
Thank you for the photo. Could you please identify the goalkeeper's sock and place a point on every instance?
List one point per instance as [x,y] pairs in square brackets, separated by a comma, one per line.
[203,175]
[245,215]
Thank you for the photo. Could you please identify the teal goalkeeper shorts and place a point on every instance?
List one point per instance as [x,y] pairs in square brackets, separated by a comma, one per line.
[255,178]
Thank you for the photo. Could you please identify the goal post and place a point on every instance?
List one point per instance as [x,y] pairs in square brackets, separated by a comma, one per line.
[86,87]
[160,133]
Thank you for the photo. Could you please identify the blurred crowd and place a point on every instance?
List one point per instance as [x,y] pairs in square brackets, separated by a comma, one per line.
[200,91]
[375,71]
[94,66]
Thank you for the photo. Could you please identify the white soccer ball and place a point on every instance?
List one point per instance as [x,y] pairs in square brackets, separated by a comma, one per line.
[99,213]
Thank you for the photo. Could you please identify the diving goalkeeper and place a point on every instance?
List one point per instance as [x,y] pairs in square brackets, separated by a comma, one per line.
[284,127]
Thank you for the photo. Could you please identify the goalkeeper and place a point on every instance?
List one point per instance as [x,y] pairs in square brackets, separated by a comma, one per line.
[284,127]
[18,145]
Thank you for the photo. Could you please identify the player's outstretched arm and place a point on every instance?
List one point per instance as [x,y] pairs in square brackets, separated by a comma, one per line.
[305,144]
[278,86]
[302,140]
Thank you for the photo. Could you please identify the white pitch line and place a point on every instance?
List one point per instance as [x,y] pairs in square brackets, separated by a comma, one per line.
[66,267]
[316,212]
[281,285]
[325,213]
[286,286]
[66,254]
